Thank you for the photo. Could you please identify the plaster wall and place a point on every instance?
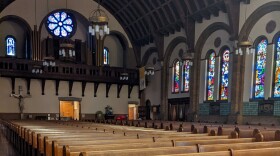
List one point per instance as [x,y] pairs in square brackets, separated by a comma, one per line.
[49,103]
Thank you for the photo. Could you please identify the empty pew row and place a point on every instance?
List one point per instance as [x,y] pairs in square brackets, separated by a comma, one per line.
[62,145]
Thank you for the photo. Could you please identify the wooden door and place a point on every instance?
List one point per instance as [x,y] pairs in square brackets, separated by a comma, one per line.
[67,109]
[131,113]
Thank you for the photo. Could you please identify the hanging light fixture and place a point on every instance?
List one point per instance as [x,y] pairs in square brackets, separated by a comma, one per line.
[99,23]
[188,55]
[246,45]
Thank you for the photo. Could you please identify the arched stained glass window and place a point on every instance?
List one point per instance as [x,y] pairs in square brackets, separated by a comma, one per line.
[210,76]
[260,63]
[277,69]
[224,75]
[106,56]
[10,46]
[60,24]
[176,77]
[186,76]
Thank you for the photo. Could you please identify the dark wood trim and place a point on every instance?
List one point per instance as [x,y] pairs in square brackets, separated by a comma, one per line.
[70,85]
[43,82]
[96,84]
[108,86]
[84,84]
[130,88]
[69,99]
[28,86]
[57,87]
[13,84]
[119,88]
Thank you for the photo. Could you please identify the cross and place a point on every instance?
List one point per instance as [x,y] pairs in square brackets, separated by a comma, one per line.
[20,98]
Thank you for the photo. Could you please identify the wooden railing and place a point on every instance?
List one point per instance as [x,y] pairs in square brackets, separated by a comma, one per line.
[21,68]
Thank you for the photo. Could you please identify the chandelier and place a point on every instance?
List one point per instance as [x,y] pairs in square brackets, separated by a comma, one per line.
[245,44]
[187,58]
[99,23]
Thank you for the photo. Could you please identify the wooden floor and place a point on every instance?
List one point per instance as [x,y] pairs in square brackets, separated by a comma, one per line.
[6,149]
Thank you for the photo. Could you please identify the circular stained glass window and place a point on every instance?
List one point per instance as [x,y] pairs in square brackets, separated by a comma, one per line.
[60,24]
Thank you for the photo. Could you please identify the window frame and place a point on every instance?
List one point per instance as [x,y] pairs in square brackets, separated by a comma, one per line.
[222,51]
[256,43]
[15,46]
[183,77]
[173,77]
[207,72]
[108,56]
[275,40]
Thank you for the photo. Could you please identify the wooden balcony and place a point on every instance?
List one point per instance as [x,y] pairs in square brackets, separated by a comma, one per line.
[21,68]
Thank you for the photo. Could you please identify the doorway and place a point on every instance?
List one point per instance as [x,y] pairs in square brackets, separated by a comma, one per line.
[69,110]
[132,112]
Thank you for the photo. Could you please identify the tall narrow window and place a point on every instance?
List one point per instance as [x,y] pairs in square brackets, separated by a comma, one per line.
[277,69]
[106,56]
[210,76]
[176,77]
[11,46]
[260,62]
[224,75]
[186,76]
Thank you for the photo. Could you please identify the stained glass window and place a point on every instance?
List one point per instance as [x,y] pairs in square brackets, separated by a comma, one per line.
[11,46]
[176,77]
[60,24]
[106,56]
[260,68]
[277,70]
[210,76]
[186,76]
[224,75]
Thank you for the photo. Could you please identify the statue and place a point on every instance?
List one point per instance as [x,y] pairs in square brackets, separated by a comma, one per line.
[20,98]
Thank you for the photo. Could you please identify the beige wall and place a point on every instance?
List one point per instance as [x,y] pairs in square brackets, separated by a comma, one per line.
[115,51]
[260,30]
[49,102]
[12,28]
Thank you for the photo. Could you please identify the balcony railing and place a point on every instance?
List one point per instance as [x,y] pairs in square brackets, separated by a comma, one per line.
[21,68]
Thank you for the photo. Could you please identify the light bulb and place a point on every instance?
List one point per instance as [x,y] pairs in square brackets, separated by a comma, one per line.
[97,28]
[247,51]
[236,51]
[108,31]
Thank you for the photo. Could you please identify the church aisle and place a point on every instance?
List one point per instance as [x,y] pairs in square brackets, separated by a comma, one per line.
[6,149]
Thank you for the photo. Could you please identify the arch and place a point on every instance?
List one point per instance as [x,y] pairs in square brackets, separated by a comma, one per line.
[124,43]
[255,16]
[197,55]
[222,49]
[26,27]
[207,32]
[17,20]
[171,47]
[147,55]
